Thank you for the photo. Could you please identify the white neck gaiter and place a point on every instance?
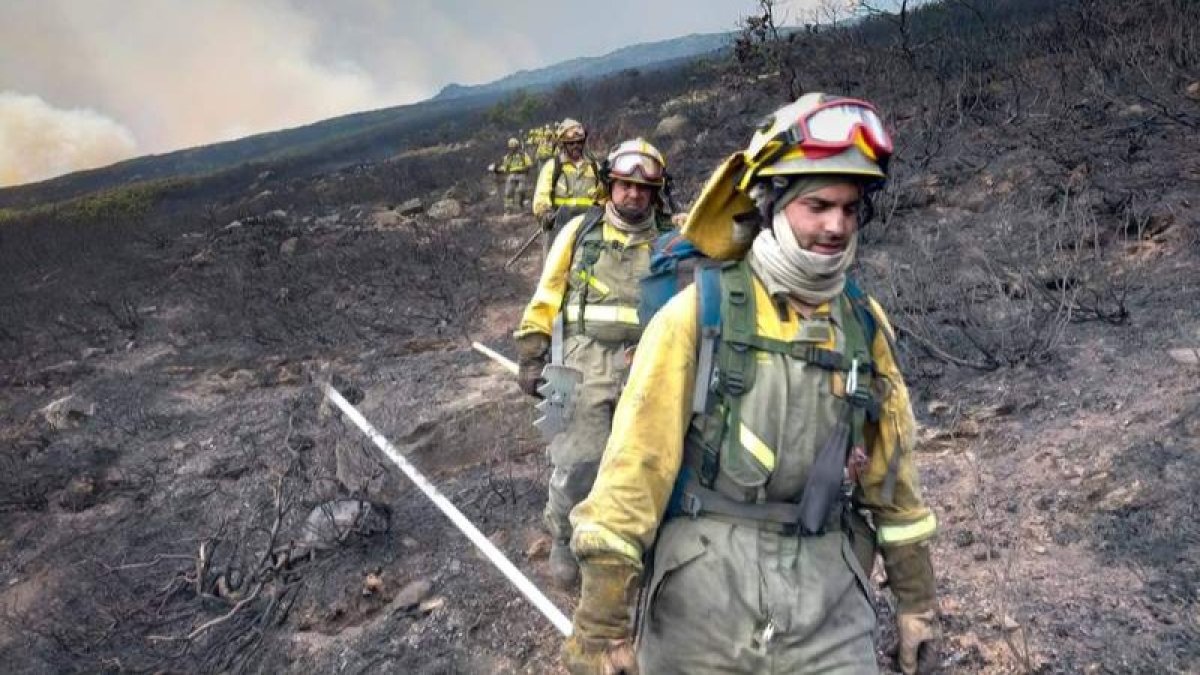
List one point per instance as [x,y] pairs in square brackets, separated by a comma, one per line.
[787,268]
[616,220]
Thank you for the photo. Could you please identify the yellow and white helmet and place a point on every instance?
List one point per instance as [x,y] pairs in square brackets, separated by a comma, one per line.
[816,135]
[513,144]
[635,161]
[570,131]
[819,134]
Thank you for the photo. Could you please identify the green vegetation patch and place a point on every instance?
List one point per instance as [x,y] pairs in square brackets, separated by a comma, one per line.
[123,203]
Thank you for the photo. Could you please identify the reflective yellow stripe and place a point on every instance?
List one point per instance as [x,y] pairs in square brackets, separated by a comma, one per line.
[751,442]
[605,314]
[591,280]
[590,539]
[574,201]
[892,535]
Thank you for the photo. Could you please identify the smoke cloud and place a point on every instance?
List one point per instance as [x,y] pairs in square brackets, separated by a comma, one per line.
[38,141]
[180,73]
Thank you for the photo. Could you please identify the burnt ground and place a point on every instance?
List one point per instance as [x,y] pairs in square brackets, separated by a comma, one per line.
[1064,488]
[197,508]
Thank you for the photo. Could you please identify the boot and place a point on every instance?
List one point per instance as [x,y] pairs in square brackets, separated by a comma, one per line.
[564,569]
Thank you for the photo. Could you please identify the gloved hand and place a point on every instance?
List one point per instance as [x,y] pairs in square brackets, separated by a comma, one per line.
[910,576]
[601,642]
[532,354]
[917,652]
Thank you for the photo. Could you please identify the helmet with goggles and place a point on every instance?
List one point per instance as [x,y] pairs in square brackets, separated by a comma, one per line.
[635,161]
[819,134]
[571,131]
[816,135]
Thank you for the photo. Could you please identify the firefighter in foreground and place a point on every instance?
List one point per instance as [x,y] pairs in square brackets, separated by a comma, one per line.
[748,469]
[568,184]
[515,168]
[584,316]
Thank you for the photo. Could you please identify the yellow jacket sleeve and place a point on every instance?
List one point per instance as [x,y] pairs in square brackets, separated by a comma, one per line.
[645,448]
[542,193]
[552,286]
[902,516]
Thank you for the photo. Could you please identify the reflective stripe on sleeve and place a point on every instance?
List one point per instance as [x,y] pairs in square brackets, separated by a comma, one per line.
[605,314]
[574,201]
[755,445]
[910,533]
[590,539]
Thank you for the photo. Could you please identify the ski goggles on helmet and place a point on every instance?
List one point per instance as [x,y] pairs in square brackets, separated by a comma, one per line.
[831,127]
[636,166]
[572,135]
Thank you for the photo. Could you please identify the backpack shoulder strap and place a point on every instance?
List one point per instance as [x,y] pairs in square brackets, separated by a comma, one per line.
[589,230]
[737,363]
[708,298]
[662,223]
[555,174]
[861,304]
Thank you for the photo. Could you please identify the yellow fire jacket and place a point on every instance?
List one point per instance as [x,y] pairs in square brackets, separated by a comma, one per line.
[645,449]
[553,285]
[578,186]
[515,162]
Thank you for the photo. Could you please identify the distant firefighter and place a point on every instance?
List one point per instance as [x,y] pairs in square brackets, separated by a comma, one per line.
[578,330]
[541,139]
[515,167]
[568,184]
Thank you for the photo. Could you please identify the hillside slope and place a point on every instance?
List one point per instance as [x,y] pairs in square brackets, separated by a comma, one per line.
[649,56]
[197,507]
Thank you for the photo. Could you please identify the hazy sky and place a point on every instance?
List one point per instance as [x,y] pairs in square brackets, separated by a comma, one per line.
[88,82]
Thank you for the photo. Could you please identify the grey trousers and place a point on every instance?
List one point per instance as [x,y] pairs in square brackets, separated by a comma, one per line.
[575,453]
[726,598]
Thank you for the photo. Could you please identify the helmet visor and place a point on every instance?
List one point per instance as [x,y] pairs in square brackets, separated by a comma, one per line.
[635,165]
[832,126]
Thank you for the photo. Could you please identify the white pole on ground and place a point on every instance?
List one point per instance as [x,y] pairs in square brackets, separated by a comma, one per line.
[499,358]
[523,584]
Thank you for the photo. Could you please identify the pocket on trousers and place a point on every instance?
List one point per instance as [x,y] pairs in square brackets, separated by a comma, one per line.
[666,570]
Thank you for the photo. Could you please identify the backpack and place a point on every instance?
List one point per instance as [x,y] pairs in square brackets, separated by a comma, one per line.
[676,263]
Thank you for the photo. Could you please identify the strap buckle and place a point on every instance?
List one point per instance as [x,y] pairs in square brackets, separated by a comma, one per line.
[859,398]
[691,505]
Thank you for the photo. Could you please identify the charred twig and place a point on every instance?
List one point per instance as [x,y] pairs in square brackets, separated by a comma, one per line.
[214,622]
[150,563]
[941,354]
[266,560]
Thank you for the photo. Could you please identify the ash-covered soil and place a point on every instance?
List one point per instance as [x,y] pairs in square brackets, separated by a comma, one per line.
[175,496]
[170,517]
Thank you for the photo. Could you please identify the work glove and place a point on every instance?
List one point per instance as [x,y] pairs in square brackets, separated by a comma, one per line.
[532,354]
[601,641]
[910,576]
